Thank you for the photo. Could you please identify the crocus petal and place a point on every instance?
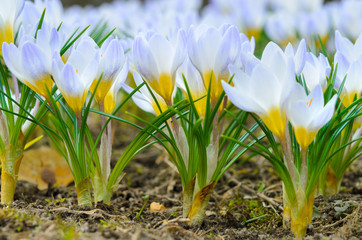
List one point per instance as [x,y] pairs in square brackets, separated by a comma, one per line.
[325,115]
[343,45]
[144,59]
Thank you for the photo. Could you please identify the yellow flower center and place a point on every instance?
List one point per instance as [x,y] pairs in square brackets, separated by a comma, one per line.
[276,122]
[348,98]
[102,89]
[216,87]
[41,85]
[163,87]
[304,137]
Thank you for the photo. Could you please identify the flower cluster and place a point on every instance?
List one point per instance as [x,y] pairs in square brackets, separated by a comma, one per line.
[202,76]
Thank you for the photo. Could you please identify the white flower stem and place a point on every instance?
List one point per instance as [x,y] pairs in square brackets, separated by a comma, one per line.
[286,146]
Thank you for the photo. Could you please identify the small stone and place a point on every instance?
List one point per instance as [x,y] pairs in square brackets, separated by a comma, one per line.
[157,207]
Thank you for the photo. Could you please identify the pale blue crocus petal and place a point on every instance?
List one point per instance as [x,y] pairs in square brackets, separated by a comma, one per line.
[299,58]
[11,55]
[144,60]
[138,80]
[55,42]
[344,45]
[298,114]
[311,75]
[193,51]
[57,66]
[180,52]
[34,62]
[112,60]
[207,46]
[342,68]
[266,86]
[325,115]
[228,51]
[241,99]
[274,58]
[139,99]
[353,80]
[69,82]
[316,100]
[161,50]
[122,75]
[241,79]
[90,72]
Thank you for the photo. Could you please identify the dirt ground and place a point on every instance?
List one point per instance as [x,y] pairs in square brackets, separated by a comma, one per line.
[246,204]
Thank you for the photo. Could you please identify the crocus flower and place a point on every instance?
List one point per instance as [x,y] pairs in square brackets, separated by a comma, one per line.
[157,60]
[75,77]
[31,61]
[298,55]
[111,96]
[307,114]
[212,50]
[9,11]
[265,90]
[349,60]
[111,63]
[316,70]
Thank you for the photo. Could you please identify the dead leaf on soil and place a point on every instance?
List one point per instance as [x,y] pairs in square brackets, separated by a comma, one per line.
[157,207]
[35,160]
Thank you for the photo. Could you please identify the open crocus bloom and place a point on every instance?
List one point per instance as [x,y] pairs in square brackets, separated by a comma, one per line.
[75,77]
[298,55]
[143,98]
[112,61]
[211,51]
[157,60]
[9,11]
[307,114]
[264,92]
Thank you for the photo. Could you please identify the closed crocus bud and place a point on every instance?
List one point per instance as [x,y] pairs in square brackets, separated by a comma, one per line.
[157,60]
[307,114]
[112,61]
[211,51]
[75,77]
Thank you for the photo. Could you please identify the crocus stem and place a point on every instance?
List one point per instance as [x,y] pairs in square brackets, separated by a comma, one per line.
[105,146]
[304,169]
[16,87]
[288,160]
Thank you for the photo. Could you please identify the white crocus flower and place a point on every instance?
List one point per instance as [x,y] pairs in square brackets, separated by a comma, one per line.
[211,51]
[307,114]
[111,63]
[265,90]
[157,60]
[75,77]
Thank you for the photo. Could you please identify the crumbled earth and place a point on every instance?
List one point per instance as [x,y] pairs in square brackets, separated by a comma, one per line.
[246,204]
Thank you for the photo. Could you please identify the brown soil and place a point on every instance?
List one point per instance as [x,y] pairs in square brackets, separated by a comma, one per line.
[236,209]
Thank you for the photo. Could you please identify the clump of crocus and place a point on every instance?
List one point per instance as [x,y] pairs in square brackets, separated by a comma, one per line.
[348,69]
[301,122]
[195,143]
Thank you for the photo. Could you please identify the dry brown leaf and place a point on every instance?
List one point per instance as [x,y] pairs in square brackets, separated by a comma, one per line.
[35,160]
[157,207]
